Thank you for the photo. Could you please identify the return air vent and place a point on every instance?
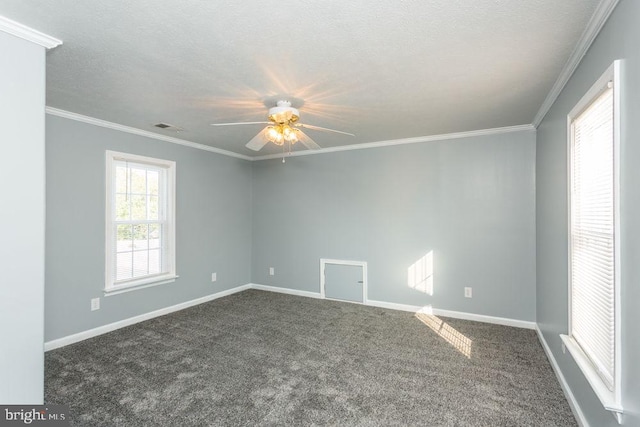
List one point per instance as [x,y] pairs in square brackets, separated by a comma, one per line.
[167,126]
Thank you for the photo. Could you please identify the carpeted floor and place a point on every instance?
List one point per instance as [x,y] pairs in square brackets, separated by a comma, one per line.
[261,358]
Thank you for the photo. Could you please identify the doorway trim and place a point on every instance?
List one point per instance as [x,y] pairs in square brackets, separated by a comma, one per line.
[363,264]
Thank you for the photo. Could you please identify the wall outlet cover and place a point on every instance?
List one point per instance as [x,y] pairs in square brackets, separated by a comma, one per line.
[468,293]
[214,277]
[95,304]
[272,271]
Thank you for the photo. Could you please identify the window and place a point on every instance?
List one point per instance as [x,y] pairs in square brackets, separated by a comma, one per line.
[594,267]
[140,226]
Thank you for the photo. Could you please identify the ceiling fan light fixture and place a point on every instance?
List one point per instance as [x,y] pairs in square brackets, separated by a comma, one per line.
[280,134]
[283,127]
[289,134]
[275,135]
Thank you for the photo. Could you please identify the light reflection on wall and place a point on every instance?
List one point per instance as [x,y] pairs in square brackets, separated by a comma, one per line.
[420,274]
[446,332]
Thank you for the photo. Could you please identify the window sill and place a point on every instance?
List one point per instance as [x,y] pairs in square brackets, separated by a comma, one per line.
[609,400]
[161,280]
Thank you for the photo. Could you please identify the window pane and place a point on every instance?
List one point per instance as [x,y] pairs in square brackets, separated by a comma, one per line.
[153,178]
[154,235]
[122,207]
[138,208]
[140,236]
[153,207]
[140,197]
[124,238]
[140,263]
[121,179]
[155,264]
[138,181]
[123,265]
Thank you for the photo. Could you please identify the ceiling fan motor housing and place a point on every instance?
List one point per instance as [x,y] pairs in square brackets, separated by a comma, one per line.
[283,113]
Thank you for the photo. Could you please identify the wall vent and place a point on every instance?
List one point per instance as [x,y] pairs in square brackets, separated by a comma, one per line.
[167,126]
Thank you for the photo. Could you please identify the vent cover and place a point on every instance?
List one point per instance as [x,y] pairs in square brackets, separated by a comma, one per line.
[167,126]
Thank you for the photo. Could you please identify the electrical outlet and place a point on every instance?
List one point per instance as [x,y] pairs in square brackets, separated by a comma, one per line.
[214,277]
[467,293]
[95,304]
[272,271]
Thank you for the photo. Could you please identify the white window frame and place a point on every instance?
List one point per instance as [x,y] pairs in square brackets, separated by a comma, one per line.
[610,399]
[111,286]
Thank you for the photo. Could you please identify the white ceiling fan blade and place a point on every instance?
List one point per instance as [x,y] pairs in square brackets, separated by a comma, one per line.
[240,123]
[258,141]
[306,141]
[312,127]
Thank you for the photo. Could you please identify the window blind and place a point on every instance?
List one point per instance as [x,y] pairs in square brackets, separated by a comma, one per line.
[593,235]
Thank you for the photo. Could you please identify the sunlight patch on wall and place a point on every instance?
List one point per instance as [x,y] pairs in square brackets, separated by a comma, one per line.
[446,332]
[420,274]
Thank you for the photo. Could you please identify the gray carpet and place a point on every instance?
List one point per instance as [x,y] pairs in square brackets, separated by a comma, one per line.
[260,358]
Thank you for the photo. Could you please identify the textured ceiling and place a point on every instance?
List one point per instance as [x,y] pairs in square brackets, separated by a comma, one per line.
[381,70]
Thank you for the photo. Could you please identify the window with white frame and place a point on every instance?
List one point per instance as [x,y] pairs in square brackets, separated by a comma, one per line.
[594,255]
[140,223]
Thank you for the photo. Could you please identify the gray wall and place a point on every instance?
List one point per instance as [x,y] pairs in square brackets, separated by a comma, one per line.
[213,229]
[617,40]
[470,201]
[22,211]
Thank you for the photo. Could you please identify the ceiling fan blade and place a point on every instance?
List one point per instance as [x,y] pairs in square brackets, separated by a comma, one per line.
[258,141]
[312,127]
[306,141]
[240,123]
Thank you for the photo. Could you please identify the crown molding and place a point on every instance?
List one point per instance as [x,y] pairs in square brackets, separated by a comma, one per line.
[29,34]
[595,24]
[389,143]
[110,125]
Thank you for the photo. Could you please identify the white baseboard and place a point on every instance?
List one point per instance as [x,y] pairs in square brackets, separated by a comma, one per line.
[485,319]
[287,291]
[573,403]
[412,308]
[394,306]
[80,336]
[455,314]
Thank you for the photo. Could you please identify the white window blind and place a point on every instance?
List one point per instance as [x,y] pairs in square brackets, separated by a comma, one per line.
[592,282]
[140,221]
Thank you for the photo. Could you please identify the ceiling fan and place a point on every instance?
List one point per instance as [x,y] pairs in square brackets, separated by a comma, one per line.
[283,128]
